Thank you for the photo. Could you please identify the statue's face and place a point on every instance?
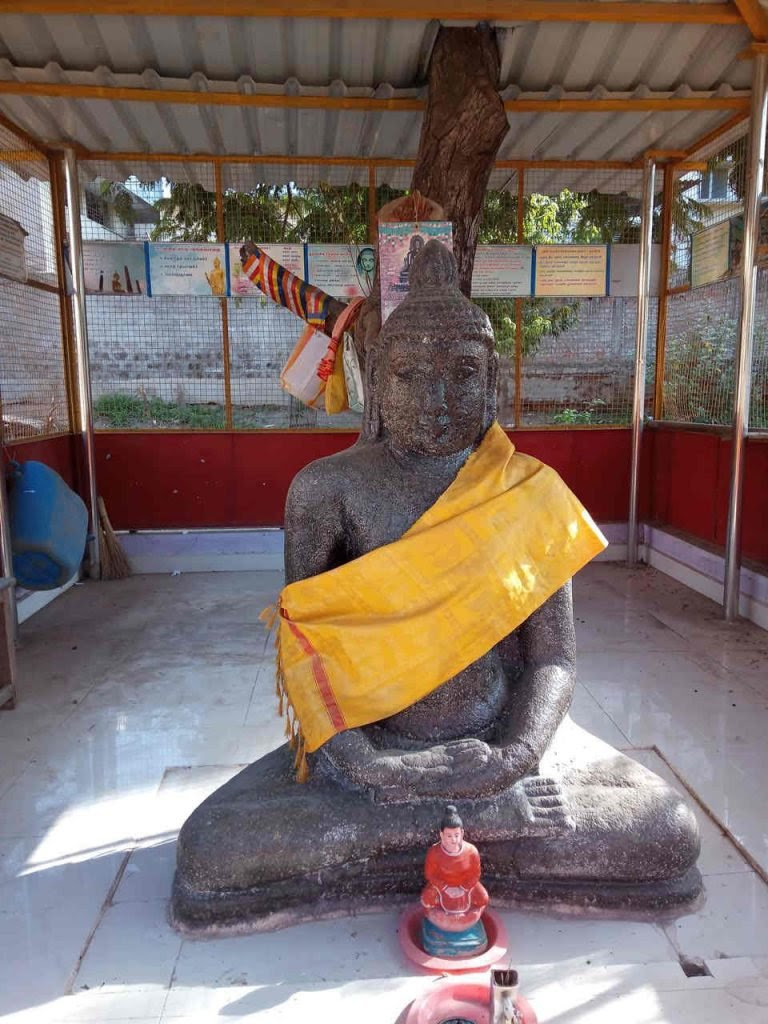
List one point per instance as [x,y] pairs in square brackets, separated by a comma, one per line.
[451,839]
[433,394]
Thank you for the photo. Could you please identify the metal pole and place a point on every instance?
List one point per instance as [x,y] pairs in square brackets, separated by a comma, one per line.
[85,419]
[226,352]
[667,204]
[638,403]
[754,183]
[519,306]
[6,555]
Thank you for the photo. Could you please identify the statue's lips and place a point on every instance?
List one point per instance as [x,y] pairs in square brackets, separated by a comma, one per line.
[435,425]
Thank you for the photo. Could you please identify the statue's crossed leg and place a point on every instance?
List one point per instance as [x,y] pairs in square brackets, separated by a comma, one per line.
[263,842]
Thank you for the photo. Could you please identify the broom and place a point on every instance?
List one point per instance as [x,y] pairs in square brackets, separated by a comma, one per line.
[114,562]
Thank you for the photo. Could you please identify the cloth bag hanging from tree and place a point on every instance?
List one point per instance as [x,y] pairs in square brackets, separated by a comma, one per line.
[332,367]
[299,376]
[352,375]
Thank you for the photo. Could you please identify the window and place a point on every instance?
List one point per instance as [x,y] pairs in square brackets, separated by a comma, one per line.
[95,208]
[715,182]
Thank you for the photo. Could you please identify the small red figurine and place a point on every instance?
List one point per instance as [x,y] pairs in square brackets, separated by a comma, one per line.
[454,898]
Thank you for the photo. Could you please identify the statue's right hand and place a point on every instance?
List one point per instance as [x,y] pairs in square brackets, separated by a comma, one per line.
[444,770]
[403,776]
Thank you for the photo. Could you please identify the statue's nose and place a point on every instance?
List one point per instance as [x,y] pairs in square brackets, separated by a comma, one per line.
[436,399]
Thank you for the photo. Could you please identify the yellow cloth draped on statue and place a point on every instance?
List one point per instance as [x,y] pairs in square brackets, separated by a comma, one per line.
[361,642]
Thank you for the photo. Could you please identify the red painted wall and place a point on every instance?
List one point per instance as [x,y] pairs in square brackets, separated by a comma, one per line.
[153,480]
[60,453]
[690,474]
[157,480]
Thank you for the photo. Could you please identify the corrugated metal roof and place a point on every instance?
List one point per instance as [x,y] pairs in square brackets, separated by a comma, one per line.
[362,52]
[355,57]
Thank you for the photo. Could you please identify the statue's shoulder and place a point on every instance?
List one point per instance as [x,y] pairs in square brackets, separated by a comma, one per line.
[331,479]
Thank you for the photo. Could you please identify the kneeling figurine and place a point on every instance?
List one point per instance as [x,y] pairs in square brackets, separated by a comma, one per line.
[454,898]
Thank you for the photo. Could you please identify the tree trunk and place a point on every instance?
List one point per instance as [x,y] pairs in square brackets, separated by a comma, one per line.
[464,125]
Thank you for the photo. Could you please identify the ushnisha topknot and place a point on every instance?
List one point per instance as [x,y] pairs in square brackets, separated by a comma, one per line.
[451,818]
[434,304]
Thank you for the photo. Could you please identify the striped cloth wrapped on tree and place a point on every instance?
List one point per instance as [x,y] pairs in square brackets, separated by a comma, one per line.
[286,289]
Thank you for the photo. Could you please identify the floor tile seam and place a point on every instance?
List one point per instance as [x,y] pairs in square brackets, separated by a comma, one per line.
[264,659]
[11,782]
[172,978]
[729,874]
[606,648]
[106,904]
[147,899]
[604,710]
[740,848]
[655,614]
[724,674]
[747,867]
[250,697]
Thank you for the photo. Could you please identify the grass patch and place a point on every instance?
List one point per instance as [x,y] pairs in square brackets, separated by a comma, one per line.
[129,411]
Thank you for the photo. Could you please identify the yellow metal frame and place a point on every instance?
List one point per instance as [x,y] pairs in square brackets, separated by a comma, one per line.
[608,104]
[661,321]
[754,16]
[470,10]
[38,151]
[519,306]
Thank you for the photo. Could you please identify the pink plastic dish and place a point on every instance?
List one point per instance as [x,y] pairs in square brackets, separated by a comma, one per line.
[466,998]
[409,932]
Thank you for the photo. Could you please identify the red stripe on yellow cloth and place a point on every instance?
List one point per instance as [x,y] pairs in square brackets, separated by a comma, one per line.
[321,676]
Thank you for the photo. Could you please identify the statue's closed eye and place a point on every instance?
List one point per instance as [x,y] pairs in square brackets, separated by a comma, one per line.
[467,369]
[405,373]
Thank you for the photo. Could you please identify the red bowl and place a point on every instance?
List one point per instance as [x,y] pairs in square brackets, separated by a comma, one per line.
[466,997]
[409,932]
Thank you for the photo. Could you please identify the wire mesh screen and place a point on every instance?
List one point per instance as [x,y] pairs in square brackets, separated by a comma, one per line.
[585,375]
[703,199]
[702,326]
[156,362]
[758,418]
[704,307]
[175,361]
[292,206]
[173,202]
[163,362]
[33,389]
[578,354]
[303,203]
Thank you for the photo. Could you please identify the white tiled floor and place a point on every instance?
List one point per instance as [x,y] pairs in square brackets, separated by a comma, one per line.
[138,698]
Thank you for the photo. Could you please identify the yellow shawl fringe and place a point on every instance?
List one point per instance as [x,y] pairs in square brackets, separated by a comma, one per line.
[361,642]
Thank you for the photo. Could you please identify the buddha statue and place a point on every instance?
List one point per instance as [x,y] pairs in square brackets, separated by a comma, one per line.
[426,654]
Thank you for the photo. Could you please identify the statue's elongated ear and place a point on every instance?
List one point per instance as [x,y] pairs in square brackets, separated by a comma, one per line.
[491,390]
[373,426]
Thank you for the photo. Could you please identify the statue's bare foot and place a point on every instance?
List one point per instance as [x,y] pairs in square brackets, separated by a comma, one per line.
[544,810]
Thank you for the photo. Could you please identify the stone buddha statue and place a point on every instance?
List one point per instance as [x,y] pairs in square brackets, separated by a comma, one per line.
[427,655]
